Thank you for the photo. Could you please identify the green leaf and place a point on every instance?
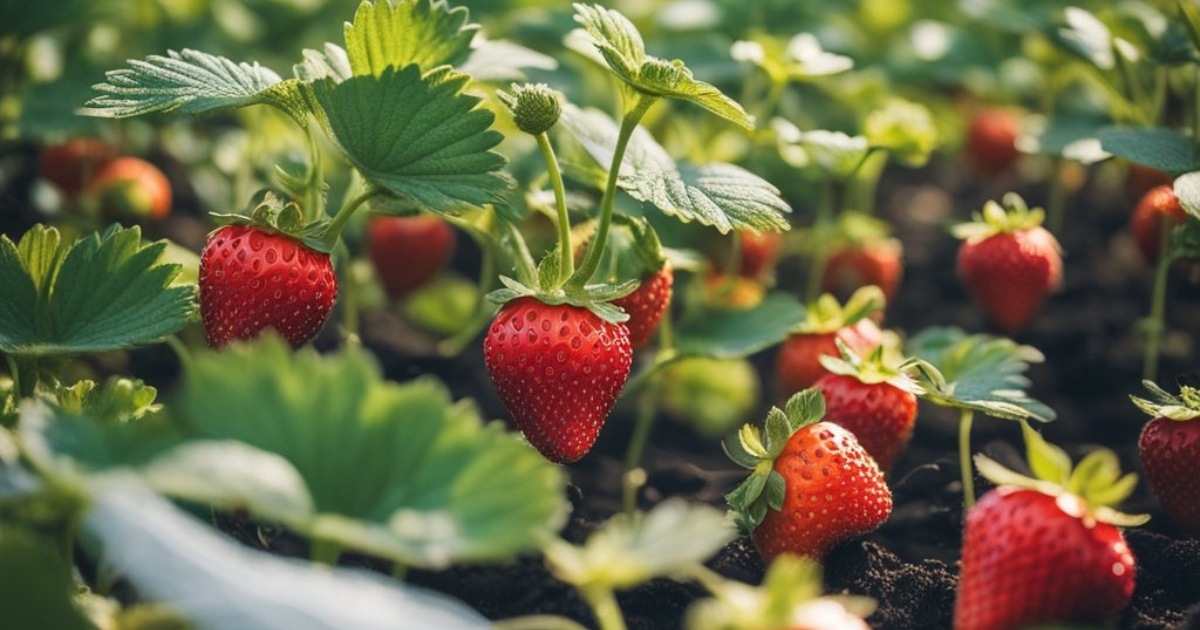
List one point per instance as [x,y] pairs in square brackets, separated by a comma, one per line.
[191,82]
[28,18]
[724,196]
[728,334]
[118,400]
[1073,139]
[427,33]
[905,129]
[103,292]
[673,539]
[1187,191]
[330,62]
[1087,36]
[170,557]
[624,52]
[398,471]
[1163,149]
[419,137]
[498,61]
[837,154]
[1191,19]
[804,408]
[1046,461]
[35,583]
[982,372]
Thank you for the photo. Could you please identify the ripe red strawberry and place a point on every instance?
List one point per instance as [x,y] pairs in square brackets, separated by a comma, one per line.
[131,188]
[1157,205]
[558,370]
[1009,262]
[879,263]
[760,251]
[1047,550]
[252,278]
[992,140]
[875,405]
[798,364]
[1169,448]
[408,252]
[69,165]
[647,305]
[822,488]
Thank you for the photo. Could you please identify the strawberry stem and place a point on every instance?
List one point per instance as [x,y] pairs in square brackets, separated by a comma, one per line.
[566,266]
[965,419]
[604,606]
[596,250]
[324,552]
[1156,323]
[826,208]
[24,375]
[635,475]
[455,344]
[334,230]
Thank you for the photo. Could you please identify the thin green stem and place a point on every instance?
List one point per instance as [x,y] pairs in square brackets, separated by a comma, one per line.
[867,178]
[1056,199]
[604,606]
[826,208]
[538,622]
[453,345]
[324,552]
[566,266]
[24,375]
[314,206]
[635,475]
[335,227]
[965,419]
[399,571]
[182,352]
[735,254]
[349,296]
[1156,324]
[595,252]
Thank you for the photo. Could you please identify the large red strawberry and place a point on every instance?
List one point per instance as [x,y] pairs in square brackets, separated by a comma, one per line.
[131,188]
[1159,204]
[558,369]
[1170,452]
[1035,552]
[992,140]
[408,252]
[798,364]
[1009,261]
[252,278]
[647,305]
[69,165]
[821,487]
[875,401]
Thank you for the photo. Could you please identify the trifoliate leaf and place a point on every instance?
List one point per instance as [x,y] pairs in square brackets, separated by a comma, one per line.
[730,334]
[103,292]
[1159,148]
[624,52]
[724,196]
[398,471]
[628,550]
[191,82]
[1187,191]
[169,557]
[425,33]
[419,137]
[981,372]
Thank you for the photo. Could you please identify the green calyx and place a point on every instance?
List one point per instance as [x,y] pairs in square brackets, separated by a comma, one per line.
[1185,406]
[751,448]
[1013,216]
[1096,480]
[827,315]
[873,369]
[273,213]
[596,298]
[535,107]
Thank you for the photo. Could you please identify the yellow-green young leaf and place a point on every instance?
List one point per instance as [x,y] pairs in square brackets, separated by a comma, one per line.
[103,292]
[1047,461]
[118,400]
[724,196]
[427,33]
[416,135]
[903,128]
[191,82]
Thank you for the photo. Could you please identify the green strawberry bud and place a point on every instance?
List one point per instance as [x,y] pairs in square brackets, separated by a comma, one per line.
[535,107]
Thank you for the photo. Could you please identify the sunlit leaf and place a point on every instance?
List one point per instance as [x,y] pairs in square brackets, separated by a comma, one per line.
[733,333]
[425,33]
[500,60]
[1088,36]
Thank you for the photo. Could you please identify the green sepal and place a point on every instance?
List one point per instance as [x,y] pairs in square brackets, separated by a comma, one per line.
[1184,407]
[273,212]
[875,368]
[623,51]
[535,108]
[118,400]
[1013,216]
[594,297]
[826,314]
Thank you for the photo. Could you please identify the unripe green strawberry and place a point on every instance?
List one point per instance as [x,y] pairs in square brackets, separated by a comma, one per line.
[131,188]
[880,415]
[252,278]
[408,252]
[713,396]
[1009,262]
[647,305]
[1169,448]
[821,488]
[1157,205]
[558,370]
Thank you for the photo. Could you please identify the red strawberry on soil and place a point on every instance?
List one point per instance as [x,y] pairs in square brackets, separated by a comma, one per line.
[1159,204]
[876,402]
[647,305]
[821,488]
[252,278]
[131,188]
[558,370]
[1047,550]
[408,252]
[798,364]
[1009,262]
[1169,449]
[70,164]
[992,140]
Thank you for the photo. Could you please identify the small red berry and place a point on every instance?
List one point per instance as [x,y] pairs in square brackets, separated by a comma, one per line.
[408,252]
[1157,205]
[647,305]
[992,141]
